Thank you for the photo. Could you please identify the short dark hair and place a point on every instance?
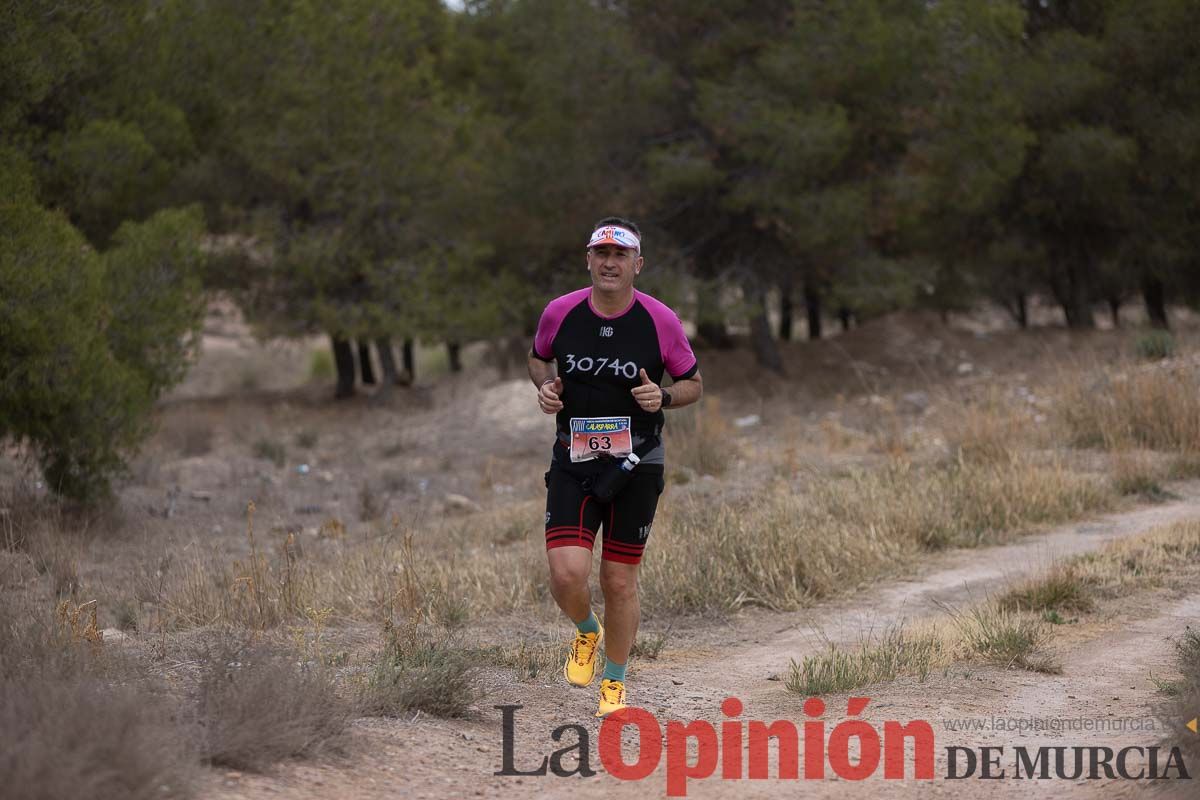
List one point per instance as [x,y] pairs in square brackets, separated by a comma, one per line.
[619,221]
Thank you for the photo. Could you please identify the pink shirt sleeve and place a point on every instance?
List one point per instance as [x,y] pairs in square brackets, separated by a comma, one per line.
[551,321]
[676,351]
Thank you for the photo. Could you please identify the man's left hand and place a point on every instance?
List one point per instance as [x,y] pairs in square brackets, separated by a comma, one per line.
[648,395]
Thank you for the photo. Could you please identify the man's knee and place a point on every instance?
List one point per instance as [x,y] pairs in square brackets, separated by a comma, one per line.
[618,580]
[569,573]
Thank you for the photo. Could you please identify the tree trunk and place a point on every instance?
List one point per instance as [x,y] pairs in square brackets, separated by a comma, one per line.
[1022,309]
[1076,302]
[387,361]
[846,316]
[454,352]
[710,322]
[409,363]
[387,365]
[812,306]
[365,367]
[785,310]
[766,349]
[343,361]
[1114,308]
[1154,294]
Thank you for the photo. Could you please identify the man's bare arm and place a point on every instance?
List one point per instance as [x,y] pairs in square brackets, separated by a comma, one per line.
[544,375]
[685,392]
[541,371]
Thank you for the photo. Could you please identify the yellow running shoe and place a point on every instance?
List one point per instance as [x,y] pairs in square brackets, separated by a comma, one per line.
[580,668]
[612,697]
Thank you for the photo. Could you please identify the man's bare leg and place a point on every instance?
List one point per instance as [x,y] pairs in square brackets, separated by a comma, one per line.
[622,610]
[569,570]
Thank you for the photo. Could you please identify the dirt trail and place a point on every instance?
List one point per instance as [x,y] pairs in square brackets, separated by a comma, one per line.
[1107,676]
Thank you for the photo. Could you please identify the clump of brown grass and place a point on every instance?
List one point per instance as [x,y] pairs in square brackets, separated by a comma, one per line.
[1062,588]
[1009,639]
[875,660]
[1138,473]
[986,430]
[1128,565]
[700,438]
[1154,406]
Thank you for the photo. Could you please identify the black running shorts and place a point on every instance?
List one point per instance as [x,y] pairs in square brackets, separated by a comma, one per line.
[574,517]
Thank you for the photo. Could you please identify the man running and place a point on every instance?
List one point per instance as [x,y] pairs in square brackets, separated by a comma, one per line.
[597,360]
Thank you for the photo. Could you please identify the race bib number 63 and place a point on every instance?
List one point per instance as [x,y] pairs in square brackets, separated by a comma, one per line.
[592,437]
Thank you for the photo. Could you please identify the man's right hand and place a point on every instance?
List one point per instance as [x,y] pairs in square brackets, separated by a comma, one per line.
[548,396]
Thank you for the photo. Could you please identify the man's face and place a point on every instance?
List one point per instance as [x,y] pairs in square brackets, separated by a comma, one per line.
[613,268]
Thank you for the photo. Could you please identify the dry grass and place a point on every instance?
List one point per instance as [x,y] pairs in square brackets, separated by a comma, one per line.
[1121,568]
[984,633]
[780,551]
[421,668]
[442,573]
[773,549]
[1060,589]
[1140,474]
[1009,639]
[528,660]
[987,430]
[876,660]
[254,593]
[699,438]
[1155,406]
[1011,630]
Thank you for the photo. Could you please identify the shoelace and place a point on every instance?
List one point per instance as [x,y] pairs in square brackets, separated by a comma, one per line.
[613,692]
[583,641]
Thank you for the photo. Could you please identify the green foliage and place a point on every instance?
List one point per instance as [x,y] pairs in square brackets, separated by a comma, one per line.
[1154,345]
[80,374]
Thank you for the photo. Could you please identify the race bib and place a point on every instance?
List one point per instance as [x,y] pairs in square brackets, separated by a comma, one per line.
[592,437]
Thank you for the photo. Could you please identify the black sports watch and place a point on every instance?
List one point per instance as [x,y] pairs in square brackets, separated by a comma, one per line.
[666,398]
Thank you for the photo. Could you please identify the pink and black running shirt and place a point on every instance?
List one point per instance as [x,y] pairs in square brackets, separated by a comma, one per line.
[599,357]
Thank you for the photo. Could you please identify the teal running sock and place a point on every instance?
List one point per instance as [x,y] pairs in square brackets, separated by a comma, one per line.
[589,625]
[614,671]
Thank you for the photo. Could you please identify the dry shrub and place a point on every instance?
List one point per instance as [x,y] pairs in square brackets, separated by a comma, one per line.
[421,668]
[779,550]
[1155,406]
[69,738]
[76,720]
[698,437]
[256,705]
